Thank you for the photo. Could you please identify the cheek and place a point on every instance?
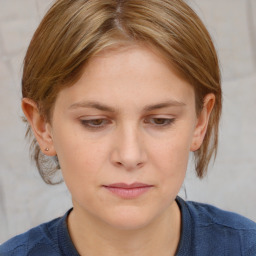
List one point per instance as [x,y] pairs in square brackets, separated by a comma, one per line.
[80,169]
[73,145]
[84,167]
[174,149]
[81,161]
[170,157]
[78,157]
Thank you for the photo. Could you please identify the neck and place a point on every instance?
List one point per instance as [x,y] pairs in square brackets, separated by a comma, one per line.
[160,237]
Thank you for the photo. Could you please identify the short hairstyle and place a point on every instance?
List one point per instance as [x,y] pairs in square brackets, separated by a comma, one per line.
[73,31]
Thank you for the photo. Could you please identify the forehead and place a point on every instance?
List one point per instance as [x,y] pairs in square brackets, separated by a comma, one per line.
[133,74]
[142,55]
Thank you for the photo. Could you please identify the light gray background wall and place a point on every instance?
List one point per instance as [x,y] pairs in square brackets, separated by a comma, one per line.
[26,201]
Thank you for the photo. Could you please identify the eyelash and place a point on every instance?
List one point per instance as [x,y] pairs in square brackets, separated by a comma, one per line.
[164,121]
[90,123]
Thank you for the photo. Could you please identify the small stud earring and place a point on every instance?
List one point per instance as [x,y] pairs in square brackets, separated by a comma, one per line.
[46,149]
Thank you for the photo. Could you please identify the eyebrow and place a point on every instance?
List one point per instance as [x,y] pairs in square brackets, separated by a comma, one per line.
[103,107]
[92,104]
[166,104]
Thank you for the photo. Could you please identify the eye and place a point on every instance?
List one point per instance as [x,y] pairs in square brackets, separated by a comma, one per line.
[95,123]
[159,121]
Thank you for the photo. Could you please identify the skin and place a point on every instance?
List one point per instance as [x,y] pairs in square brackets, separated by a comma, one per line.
[128,119]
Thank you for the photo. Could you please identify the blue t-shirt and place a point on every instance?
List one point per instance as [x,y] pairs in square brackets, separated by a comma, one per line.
[206,231]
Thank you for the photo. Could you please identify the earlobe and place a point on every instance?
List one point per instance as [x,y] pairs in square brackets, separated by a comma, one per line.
[202,122]
[41,128]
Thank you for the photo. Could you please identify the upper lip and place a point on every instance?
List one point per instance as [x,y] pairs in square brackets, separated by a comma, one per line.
[124,185]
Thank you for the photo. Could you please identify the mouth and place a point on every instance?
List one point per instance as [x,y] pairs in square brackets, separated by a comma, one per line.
[128,191]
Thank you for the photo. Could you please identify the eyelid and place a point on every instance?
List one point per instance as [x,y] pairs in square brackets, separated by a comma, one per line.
[167,120]
[88,122]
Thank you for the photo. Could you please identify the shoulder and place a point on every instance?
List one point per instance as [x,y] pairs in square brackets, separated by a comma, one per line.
[40,240]
[222,229]
[205,214]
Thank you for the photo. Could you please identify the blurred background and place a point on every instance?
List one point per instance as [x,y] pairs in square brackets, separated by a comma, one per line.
[25,201]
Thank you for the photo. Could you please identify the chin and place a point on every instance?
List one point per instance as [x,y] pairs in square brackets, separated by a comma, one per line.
[130,219]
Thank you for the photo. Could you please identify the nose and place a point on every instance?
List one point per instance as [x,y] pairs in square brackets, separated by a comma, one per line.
[128,150]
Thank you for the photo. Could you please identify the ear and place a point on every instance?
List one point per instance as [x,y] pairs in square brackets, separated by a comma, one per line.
[202,122]
[41,128]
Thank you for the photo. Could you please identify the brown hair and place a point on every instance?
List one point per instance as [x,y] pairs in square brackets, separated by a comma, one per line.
[73,31]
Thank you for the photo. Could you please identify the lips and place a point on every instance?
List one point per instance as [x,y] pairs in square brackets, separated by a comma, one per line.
[128,191]
[127,186]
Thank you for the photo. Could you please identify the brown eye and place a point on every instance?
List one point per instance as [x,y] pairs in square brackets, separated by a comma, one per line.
[94,123]
[159,122]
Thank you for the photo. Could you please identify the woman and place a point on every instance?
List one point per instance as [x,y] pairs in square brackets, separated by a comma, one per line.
[117,95]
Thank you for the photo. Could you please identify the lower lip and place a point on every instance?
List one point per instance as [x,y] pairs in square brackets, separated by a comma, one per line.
[128,193]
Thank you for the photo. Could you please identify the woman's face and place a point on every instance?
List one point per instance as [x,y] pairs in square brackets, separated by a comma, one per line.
[129,119]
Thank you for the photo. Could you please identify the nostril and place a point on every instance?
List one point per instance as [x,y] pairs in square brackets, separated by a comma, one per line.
[120,164]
